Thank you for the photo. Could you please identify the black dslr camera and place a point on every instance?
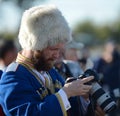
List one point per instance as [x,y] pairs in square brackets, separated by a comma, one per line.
[98,95]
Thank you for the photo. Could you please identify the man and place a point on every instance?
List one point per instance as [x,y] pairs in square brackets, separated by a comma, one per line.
[72,50]
[30,86]
[71,57]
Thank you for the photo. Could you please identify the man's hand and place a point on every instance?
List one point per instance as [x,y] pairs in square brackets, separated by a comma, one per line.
[78,87]
[99,111]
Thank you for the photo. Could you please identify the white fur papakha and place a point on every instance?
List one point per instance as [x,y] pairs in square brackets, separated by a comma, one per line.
[43,26]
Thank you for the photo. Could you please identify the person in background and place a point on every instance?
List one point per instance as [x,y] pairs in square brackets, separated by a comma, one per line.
[61,67]
[67,64]
[72,49]
[8,53]
[30,86]
[85,60]
[108,67]
[71,57]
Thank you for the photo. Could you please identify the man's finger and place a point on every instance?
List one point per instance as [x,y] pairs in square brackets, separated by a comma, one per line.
[87,79]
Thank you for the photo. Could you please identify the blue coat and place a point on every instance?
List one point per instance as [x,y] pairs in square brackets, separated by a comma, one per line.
[21,94]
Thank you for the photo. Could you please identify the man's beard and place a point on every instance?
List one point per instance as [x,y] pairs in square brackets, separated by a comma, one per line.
[42,64]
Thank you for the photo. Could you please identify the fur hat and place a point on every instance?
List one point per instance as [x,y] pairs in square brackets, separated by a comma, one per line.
[43,26]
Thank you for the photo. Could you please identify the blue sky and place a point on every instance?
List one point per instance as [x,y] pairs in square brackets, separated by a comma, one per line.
[99,11]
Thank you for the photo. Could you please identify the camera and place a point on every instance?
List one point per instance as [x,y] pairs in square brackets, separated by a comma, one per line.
[98,95]
[102,98]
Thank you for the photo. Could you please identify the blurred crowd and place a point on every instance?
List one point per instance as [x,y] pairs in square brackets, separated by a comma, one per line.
[107,66]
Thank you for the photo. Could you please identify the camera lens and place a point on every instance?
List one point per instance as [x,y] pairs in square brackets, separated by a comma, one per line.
[102,98]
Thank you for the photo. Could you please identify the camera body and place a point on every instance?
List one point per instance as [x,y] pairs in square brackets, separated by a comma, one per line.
[98,95]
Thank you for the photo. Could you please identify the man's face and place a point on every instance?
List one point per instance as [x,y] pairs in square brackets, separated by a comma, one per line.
[44,60]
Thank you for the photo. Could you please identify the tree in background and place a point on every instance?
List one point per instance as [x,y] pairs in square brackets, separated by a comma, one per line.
[89,33]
